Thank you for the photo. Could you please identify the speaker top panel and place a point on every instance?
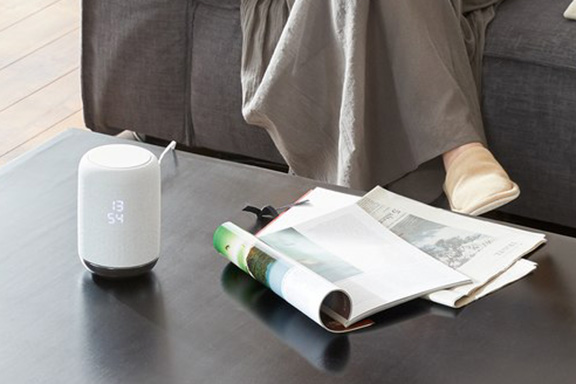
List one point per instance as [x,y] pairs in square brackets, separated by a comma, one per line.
[120,156]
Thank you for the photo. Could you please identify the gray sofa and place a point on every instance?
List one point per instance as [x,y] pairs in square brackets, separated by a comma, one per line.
[171,70]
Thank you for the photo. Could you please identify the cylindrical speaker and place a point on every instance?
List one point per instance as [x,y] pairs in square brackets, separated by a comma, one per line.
[119,210]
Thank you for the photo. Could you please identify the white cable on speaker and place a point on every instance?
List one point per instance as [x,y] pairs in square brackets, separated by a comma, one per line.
[169,147]
[137,137]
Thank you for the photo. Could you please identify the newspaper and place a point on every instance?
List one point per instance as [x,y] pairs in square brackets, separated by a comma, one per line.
[490,254]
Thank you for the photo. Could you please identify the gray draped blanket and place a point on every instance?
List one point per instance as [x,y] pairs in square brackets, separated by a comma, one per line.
[362,92]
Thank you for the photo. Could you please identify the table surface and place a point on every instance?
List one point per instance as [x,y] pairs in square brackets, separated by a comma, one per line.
[197,319]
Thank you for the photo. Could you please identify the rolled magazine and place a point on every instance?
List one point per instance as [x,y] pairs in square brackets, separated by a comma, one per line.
[311,294]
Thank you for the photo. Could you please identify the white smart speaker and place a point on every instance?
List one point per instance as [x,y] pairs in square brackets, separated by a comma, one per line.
[119,210]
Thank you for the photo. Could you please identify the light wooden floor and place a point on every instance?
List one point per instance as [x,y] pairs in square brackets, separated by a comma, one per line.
[39,72]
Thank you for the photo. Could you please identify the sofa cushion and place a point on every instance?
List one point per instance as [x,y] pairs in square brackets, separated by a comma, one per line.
[533,31]
[529,105]
[216,89]
[232,4]
[134,66]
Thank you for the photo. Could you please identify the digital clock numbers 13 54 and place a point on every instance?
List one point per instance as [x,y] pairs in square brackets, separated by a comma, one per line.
[117,214]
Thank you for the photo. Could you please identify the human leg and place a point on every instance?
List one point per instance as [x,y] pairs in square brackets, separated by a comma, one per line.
[363,92]
[475,182]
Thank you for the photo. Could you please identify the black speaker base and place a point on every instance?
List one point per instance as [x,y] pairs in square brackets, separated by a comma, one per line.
[119,273]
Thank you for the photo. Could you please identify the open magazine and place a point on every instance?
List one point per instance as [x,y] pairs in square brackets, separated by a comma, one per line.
[339,258]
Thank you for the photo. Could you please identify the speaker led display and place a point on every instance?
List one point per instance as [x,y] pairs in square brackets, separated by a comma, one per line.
[119,200]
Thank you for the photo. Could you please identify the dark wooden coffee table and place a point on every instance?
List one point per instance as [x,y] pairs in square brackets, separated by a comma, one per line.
[197,319]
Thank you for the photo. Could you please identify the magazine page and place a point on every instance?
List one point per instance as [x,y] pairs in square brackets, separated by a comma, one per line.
[479,249]
[310,293]
[317,202]
[350,249]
